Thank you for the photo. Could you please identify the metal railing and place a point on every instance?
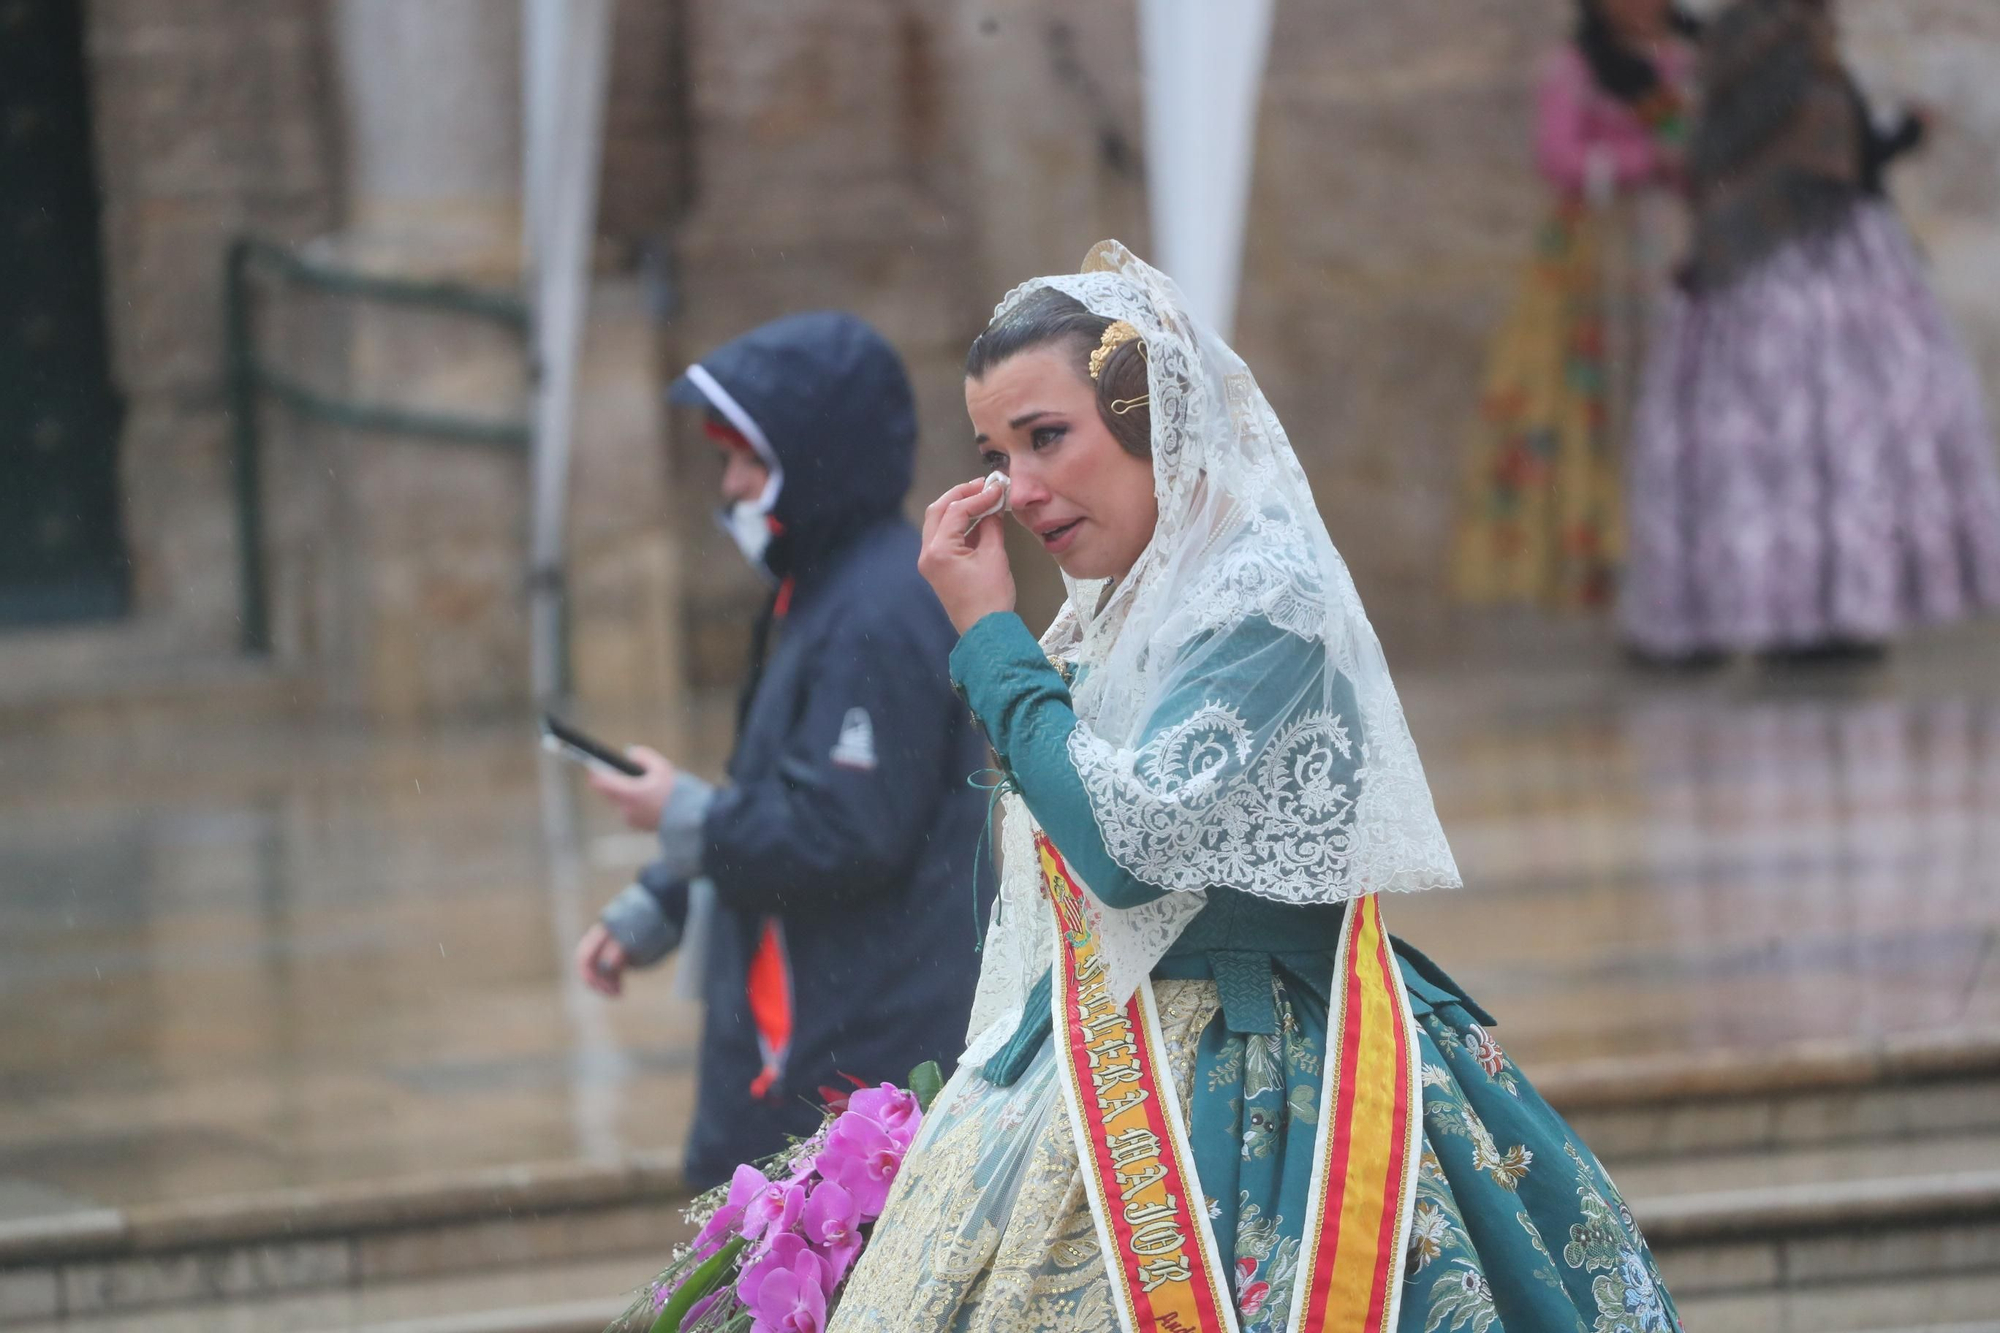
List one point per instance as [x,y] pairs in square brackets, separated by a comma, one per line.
[251,379]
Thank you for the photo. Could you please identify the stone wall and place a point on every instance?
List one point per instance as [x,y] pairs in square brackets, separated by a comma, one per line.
[431,537]
[909,159]
[1944,54]
[382,136]
[1393,205]
[647,173]
[211,119]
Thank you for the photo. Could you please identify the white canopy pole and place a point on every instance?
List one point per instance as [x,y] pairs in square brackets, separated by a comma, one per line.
[565,50]
[1204,68]
[541,68]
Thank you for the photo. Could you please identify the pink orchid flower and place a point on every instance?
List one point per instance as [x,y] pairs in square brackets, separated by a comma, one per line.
[862,1159]
[832,1222]
[894,1109]
[744,1186]
[773,1209]
[790,1300]
[785,1252]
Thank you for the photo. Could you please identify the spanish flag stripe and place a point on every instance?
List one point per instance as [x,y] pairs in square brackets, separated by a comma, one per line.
[1340,1146]
[1387,1273]
[1359,1221]
[1370,1102]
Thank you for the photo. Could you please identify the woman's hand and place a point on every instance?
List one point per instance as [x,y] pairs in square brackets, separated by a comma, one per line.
[639,799]
[968,571]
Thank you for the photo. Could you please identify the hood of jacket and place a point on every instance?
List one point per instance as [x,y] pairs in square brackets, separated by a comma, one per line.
[824,400]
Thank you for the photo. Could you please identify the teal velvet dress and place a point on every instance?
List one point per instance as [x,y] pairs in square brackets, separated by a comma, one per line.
[1516,1225]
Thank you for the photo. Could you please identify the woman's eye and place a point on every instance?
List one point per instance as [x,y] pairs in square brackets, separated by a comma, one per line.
[1044,436]
[993,461]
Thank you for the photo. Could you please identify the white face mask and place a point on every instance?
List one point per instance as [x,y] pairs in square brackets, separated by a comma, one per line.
[749,528]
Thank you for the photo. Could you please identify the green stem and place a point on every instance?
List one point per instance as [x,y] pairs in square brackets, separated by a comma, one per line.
[699,1283]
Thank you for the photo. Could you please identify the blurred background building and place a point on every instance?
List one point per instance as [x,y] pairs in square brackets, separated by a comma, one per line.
[286,900]
[909,161]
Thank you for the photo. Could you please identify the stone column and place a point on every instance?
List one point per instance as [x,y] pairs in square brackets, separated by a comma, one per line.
[430,97]
[209,124]
[405,576]
[425,608]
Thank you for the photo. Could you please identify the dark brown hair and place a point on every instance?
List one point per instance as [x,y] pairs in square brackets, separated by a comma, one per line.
[1620,71]
[1047,317]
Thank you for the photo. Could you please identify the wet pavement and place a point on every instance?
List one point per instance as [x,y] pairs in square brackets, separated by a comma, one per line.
[235,961]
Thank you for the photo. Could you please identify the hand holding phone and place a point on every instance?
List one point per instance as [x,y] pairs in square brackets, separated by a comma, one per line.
[641,800]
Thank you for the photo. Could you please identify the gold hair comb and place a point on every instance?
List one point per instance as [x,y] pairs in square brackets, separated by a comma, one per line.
[1115,336]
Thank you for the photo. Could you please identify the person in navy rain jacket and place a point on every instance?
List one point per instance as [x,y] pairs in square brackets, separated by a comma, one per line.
[844,847]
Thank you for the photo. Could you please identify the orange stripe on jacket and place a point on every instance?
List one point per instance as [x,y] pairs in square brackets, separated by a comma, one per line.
[770,994]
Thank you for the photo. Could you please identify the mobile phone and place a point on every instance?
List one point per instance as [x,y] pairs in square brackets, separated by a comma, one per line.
[559,738]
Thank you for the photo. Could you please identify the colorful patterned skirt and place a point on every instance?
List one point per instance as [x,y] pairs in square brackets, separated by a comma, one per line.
[1516,1226]
[1810,462]
[1541,506]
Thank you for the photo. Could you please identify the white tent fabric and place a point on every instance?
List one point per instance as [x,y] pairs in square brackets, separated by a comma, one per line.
[1204,66]
[565,48]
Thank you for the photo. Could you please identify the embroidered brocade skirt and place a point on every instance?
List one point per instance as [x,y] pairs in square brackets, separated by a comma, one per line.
[1811,460]
[989,1230]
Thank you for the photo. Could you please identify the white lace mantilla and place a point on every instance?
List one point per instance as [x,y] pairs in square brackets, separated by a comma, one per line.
[1237,723]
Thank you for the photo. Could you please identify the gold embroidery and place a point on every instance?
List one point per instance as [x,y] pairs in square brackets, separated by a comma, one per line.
[986,1234]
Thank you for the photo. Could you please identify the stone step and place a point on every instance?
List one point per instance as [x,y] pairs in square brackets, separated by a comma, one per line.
[1957,1305]
[1828,1236]
[1733,1170]
[1888,1256]
[130,677]
[580,1296]
[1818,1094]
[1740,1189]
[113,1262]
[570,1298]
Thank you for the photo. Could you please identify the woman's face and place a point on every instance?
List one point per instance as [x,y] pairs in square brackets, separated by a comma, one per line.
[1034,417]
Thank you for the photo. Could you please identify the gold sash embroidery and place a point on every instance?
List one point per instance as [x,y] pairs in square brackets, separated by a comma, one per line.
[1165,1269]
[1151,1217]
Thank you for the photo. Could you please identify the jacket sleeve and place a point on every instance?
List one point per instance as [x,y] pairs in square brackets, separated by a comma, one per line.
[650,916]
[843,815]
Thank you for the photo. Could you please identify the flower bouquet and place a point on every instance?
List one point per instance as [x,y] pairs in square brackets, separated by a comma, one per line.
[780,1238]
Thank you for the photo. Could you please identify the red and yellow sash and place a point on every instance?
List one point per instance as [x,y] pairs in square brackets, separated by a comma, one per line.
[1152,1221]
[1370,1133]
[1166,1270]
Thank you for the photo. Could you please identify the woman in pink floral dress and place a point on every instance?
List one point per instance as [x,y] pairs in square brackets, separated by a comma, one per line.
[1540,517]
